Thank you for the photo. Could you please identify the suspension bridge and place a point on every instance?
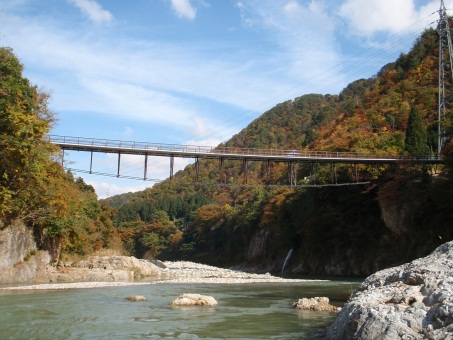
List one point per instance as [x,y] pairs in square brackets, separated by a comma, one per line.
[222,153]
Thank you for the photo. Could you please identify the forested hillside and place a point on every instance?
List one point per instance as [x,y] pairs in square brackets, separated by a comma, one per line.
[404,211]
[348,230]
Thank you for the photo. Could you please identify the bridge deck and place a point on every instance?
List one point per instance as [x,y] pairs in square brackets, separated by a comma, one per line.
[193,151]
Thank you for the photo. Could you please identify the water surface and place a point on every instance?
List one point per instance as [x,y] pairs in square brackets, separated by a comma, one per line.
[247,311]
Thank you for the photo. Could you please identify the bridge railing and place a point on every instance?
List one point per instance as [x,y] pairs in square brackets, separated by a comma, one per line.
[111,143]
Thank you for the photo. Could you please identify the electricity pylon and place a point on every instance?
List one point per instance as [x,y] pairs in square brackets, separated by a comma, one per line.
[445,47]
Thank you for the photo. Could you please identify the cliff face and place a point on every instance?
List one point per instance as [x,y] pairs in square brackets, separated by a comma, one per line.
[370,230]
[20,261]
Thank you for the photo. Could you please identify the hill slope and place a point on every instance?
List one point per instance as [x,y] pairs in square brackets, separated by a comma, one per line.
[350,231]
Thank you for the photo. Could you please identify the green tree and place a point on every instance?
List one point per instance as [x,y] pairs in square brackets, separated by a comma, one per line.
[25,159]
[416,141]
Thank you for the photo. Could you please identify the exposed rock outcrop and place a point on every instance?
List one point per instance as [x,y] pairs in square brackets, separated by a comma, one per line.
[413,300]
[16,243]
[194,300]
[107,268]
[20,261]
[317,304]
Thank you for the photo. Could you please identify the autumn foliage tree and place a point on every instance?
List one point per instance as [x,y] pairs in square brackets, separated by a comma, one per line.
[34,187]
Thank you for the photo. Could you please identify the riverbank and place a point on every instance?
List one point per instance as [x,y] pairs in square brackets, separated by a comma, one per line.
[411,301]
[181,272]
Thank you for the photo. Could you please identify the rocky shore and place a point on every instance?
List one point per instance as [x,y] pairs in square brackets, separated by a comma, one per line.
[109,269]
[411,301]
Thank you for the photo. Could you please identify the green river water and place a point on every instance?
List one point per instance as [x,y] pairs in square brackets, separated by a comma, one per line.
[246,311]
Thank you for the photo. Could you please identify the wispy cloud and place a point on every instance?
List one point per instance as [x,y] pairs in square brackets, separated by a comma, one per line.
[93,11]
[184,9]
[303,32]
[149,81]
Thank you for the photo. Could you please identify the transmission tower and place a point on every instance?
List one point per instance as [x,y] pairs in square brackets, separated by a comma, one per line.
[445,56]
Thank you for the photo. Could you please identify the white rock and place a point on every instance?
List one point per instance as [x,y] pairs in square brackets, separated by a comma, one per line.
[194,300]
[135,298]
[317,304]
[410,301]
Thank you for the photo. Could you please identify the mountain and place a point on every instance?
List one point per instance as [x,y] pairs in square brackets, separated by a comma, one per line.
[349,230]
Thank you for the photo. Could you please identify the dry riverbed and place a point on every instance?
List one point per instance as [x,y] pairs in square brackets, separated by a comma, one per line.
[182,272]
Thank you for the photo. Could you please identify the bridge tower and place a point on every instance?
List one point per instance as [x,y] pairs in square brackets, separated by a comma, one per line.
[445,56]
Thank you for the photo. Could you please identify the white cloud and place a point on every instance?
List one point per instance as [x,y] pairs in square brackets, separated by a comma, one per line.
[184,9]
[207,142]
[367,17]
[93,11]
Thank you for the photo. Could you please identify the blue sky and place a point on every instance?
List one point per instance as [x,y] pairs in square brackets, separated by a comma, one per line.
[194,71]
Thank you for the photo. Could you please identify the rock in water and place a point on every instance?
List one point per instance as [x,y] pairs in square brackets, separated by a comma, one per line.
[318,304]
[411,301]
[135,298]
[194,300]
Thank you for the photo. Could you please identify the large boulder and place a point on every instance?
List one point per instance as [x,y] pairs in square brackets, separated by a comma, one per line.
[194,300]
[135,298]
[410,301]
[317,304]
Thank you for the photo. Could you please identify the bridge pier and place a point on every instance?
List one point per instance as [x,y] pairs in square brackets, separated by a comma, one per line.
[119,164]
[245,170]
[91,162]
[221,160]
[292,174]
[197,168]
[333,169]
[268,172]
[146,167]
[313,172]
[172,164]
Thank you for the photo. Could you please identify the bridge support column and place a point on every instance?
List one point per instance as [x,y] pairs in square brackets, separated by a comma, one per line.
[91,162]
[313,173]
[172,164]
[268,172]
[146,167]
[119,164]
[62,157]
[292,174]
[197,168]
[333,168]
[245,170]
[221,160]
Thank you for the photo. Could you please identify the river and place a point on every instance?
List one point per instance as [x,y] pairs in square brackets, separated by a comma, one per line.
[245,311]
